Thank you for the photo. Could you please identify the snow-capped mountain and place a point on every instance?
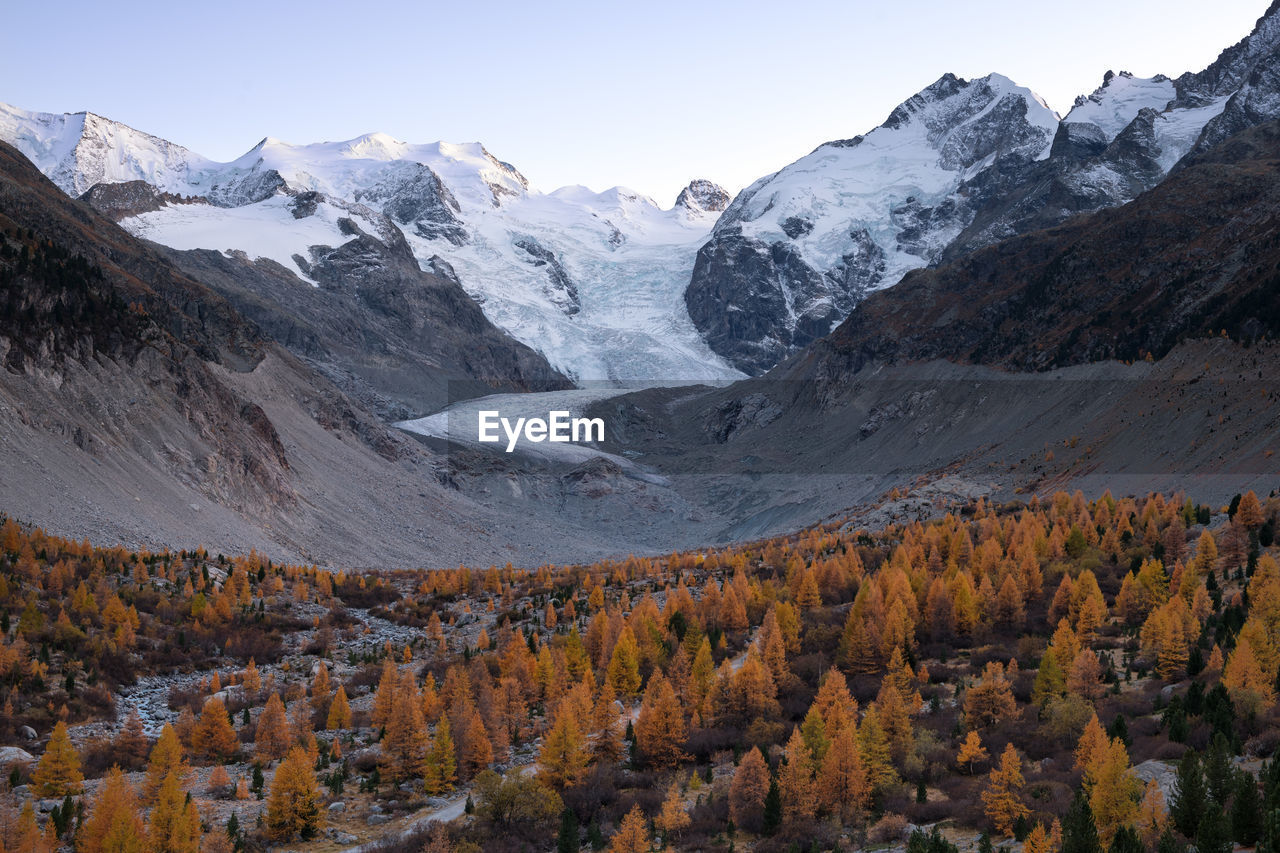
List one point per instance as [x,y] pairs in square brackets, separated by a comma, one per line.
[957,167]
[796,250]
[611,286]
[591,280]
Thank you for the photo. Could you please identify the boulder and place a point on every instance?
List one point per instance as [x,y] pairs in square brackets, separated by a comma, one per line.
[10,755]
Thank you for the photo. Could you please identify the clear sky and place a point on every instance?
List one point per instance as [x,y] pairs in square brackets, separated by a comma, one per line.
[644,94]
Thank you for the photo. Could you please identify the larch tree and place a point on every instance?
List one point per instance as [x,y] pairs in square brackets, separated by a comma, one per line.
[1050,680]
[130,746]
[971,751]
[442,763]
[166,757]
[749,788]
[213,736]
[809,595]
[1003,794]
[624,665]
[1249,512]
[174,824]
[320,688]
[835,704]
[1243,676]
[115,823]
[388,683]
[843,786]
[660,728]
[1153,815]
[293,807]
[814,732]
[1113,791]
[219,783]
[991,699]
[1038,840]
[273,737]
[475,752]
[1085,677]
[339,711]
[251,680]
[795,780]
[404,742]
[1206,554]
[876,752]
[563,758]
[632,835]
[895,717]
[672,819]
[1092,745]
[58,773]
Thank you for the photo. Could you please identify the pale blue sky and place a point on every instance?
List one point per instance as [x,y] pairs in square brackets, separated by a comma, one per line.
[647,95]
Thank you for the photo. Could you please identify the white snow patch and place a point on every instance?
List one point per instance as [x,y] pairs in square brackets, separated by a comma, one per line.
[263,230]
[1115,104]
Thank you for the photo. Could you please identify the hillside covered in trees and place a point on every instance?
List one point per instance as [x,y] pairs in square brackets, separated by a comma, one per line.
[1058,676]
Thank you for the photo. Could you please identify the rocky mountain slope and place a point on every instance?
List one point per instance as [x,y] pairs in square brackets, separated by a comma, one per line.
[1019,367]
[591,280]
[957,167]
[138,406]
[1195,257]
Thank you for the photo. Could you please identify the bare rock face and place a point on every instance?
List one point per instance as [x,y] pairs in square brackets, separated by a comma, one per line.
[413,193]
[559,288]
[118,201]
[703,196]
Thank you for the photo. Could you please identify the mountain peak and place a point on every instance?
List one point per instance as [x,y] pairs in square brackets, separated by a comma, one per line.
[702,195]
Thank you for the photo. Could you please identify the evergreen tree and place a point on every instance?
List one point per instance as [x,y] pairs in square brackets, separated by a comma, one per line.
[567,840]
[1079,833]
[772,808]
[1269,840]
[1246,810]
[1214,833]
[1218,774]
[1126,840]
[1189,798]
[1120,729]
[1170,842]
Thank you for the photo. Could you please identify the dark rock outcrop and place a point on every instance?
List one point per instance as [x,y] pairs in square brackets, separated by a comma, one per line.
[560,288]
[703,195]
